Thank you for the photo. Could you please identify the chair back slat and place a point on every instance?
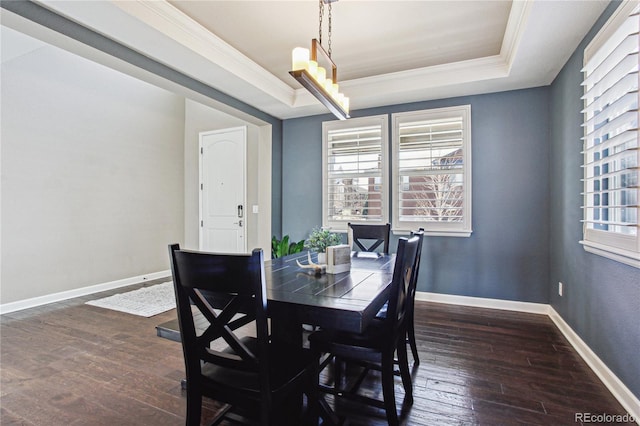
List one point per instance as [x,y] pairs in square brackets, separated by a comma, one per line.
[370,237]
[233,274]
[220,327]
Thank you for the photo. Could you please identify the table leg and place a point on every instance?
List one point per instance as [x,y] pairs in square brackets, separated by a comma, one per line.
[288,331]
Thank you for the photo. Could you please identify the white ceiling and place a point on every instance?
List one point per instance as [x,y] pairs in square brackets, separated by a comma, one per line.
[387,52]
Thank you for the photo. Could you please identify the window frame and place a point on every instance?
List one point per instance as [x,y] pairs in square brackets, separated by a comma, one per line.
[615,246]
[327,126]
[451,229]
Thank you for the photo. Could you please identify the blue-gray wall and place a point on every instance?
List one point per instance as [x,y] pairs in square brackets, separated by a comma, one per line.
[601,299]
[506,257]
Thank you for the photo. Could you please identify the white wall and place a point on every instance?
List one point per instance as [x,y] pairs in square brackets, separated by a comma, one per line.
[92,174]
[202,118]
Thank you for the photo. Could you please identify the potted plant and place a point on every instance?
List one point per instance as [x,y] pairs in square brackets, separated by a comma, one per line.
[281,248]
[319,240]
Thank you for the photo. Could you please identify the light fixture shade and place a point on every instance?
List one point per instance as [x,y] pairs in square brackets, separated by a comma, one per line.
[321,75]
[300,58]
[313,68]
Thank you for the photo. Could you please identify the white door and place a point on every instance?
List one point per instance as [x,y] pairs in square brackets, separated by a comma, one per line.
[222,190]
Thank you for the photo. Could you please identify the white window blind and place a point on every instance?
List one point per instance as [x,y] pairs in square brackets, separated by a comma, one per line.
[433,171]
[355,176]
[611,154]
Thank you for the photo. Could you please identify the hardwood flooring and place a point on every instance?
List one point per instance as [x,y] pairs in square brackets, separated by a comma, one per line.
[72,364]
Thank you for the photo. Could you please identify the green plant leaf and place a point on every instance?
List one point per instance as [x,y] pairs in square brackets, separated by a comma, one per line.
[320,239]
[280,248]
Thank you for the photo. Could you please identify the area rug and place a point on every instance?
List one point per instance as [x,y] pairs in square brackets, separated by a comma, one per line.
[144,302]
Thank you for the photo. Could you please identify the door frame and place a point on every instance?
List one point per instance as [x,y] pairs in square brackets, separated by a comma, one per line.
[245,215]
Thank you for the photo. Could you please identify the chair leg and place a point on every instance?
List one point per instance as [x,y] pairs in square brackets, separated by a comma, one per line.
[319,409]
[388,391]
[403,363]
[338,369]
[194,408]
[264,414]
[411,337]
[313,395]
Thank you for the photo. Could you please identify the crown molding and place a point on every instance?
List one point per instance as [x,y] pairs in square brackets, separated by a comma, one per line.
[516,24]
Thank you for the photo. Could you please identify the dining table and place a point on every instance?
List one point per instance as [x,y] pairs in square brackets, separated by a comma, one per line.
[298,296]
[347,301]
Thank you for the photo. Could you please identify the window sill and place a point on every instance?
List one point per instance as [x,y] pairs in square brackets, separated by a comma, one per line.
[619,255]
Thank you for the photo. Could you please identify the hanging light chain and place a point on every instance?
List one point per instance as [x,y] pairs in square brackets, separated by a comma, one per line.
[320,19]
[321,14]
[329,51]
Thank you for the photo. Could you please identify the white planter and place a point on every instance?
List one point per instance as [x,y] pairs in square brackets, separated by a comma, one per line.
[322,258]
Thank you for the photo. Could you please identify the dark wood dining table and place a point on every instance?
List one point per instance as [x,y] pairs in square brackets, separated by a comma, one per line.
[347,301]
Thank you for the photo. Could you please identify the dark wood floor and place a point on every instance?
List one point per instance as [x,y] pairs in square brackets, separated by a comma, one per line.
[72,364]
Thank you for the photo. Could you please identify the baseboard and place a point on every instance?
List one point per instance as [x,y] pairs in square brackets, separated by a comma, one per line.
[70,294]
[618,389]
[481,302]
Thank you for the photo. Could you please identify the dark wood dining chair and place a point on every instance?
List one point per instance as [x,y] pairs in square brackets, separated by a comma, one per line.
[253,374]
[376,347]
[370,237]
[411,294]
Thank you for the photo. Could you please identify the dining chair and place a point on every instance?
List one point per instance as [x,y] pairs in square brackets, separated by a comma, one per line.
[370,237]
[252,373]
[411,296]
[376,346]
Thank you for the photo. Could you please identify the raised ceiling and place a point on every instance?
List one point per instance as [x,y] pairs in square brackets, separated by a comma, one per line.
[387,52]
[369,38]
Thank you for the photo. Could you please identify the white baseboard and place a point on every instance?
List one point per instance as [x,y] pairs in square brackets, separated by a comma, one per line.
[618,389]
[624,396]
[70,294]
[481,302]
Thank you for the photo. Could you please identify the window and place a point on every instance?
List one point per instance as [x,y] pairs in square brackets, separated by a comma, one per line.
[355,179]
[432,171]
[611,154]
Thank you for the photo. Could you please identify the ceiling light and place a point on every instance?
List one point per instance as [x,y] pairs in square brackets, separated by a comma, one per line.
[305,69]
